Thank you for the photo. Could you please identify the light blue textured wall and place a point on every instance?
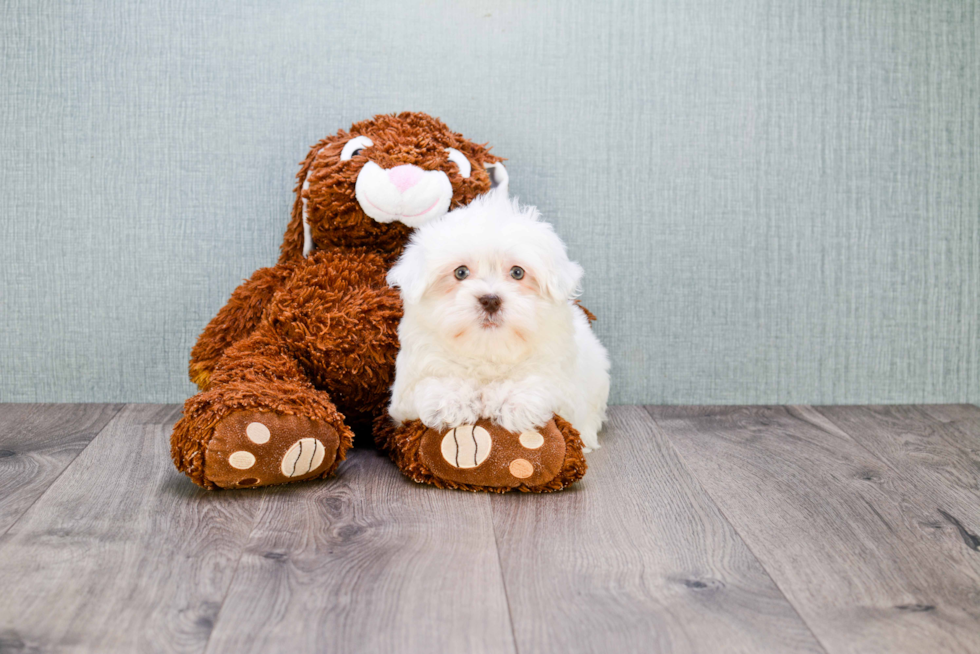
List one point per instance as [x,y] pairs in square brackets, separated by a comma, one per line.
[774,201]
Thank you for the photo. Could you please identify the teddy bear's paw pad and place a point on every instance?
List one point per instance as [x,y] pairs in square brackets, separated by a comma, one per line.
[487,455]
[466,446]
[255,448]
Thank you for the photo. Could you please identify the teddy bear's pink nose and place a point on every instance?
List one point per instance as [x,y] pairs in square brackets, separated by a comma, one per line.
[405,177]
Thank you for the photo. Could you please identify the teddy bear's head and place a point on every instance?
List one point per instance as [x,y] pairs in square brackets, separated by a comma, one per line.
[370,186]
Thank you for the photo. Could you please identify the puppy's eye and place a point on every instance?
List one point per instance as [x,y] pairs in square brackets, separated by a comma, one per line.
[353,146]
[461,273]
[461,161]
[517,272]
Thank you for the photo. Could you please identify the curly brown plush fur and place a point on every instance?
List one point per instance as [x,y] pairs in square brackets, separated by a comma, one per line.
[316,336]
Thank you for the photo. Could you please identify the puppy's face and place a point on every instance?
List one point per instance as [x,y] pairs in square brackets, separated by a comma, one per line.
[493,298]
[485,278]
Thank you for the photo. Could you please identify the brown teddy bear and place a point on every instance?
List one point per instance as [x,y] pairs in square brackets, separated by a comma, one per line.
[303,354]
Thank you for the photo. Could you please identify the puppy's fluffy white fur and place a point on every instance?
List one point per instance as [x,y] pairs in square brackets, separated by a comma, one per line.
[534,356]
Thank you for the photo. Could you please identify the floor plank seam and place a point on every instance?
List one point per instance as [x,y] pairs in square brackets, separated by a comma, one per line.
[820,410]
[234,574]
[721,511]
[224,598]
[119,408]
[503,580]
[969,539]
[847,434]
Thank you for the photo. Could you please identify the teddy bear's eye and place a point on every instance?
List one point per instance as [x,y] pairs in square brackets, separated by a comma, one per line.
[461,273]
[517,272]
[354,146]
[461,161]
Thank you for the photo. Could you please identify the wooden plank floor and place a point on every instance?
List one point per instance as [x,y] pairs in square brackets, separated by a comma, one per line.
[697,529]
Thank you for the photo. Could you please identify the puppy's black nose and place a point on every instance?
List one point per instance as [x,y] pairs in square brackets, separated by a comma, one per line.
[490,303]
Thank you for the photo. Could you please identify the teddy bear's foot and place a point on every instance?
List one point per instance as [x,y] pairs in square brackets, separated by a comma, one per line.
[486,457]
[257,448]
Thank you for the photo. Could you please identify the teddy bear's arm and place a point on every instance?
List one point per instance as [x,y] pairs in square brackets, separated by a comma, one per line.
[235,321]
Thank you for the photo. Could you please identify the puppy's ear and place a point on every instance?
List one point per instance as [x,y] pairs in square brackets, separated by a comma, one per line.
[560,276]
[409,275]
[562,281]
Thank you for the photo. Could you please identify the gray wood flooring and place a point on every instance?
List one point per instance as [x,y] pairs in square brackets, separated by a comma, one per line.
[697,529]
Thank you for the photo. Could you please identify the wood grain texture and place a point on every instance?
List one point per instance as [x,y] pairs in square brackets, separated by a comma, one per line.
[122,554]
[939,460]
[954,413]
[367,562]
[848,539]
[730,529]
[37,442]
[636,557]
[963,419]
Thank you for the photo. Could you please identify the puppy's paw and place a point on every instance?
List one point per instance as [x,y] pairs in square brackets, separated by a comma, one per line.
[518,407]
[445,403]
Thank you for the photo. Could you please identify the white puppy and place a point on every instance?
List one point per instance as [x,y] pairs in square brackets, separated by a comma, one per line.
[490,328]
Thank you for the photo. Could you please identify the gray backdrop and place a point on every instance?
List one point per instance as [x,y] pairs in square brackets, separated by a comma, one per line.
[774,201]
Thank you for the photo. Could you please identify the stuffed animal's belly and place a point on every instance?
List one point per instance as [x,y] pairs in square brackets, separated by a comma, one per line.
[351,355]
[357,382]
[340,318]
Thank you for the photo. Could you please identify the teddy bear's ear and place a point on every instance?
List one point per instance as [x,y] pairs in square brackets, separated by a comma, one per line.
[298,242]
[308,244]
[498,176]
